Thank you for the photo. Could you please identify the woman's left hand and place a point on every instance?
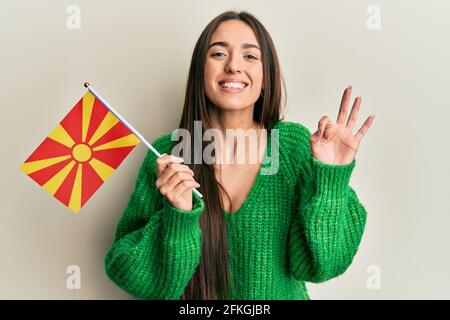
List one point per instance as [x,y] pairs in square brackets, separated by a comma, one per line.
[335,144]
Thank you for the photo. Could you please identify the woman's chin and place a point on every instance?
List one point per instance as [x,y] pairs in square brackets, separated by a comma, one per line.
[232,103]
[231,107]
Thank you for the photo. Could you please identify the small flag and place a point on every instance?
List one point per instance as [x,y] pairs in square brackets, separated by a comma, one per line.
[84,149]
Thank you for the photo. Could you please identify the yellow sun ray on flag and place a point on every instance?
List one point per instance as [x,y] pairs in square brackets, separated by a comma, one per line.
[53,184]
[59,134]
[33,166]
[88,104]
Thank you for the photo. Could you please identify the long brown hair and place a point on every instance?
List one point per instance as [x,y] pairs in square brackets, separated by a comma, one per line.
[212,278]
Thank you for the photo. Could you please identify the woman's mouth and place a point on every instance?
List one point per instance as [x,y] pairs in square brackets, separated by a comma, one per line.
[232,86]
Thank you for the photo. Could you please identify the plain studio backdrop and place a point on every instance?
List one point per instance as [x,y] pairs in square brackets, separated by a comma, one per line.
[137,55]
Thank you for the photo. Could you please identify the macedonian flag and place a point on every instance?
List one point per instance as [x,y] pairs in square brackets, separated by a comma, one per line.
[80,153]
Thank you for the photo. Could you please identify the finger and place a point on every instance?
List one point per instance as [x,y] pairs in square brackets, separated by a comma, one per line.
[163,161]
[172,169]
[343,109]
[354,113]
[183,186]
[178,177]
[323,123]
[366,125]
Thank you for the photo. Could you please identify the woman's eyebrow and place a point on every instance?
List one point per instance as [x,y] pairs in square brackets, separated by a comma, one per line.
[225,44]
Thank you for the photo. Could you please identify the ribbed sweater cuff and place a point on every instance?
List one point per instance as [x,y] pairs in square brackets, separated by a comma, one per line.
[180,223]
[332,180]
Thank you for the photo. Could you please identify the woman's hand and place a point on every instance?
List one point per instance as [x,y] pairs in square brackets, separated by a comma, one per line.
[335,144]
[175,181]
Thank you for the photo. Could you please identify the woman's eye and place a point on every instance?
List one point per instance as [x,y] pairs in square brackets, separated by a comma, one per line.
[219,54]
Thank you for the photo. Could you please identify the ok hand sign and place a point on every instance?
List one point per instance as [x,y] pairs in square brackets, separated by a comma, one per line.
[335,144]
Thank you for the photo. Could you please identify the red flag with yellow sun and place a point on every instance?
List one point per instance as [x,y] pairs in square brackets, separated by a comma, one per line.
[84,149]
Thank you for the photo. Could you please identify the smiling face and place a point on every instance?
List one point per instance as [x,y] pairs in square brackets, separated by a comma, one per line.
[233,67]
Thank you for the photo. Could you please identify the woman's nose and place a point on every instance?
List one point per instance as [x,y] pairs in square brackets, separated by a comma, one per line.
[233,64]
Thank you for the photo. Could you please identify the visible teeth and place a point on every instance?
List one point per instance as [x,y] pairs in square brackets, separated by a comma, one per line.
[233,85]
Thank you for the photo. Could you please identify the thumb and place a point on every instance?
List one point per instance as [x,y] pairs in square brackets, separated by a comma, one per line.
[318,134]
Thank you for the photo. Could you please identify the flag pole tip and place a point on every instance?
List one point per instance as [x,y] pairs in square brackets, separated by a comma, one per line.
[86,84]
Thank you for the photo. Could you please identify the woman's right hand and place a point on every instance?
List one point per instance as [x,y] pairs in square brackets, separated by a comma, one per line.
[175,181]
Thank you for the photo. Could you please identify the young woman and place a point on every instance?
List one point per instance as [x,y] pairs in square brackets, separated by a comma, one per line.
[252,235]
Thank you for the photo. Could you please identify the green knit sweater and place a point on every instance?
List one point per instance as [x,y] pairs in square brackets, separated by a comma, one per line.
[303,223]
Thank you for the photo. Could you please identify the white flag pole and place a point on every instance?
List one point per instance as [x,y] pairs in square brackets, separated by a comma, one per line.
[129,126]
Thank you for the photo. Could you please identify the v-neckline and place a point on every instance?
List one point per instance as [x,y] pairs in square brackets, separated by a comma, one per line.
[258,180]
